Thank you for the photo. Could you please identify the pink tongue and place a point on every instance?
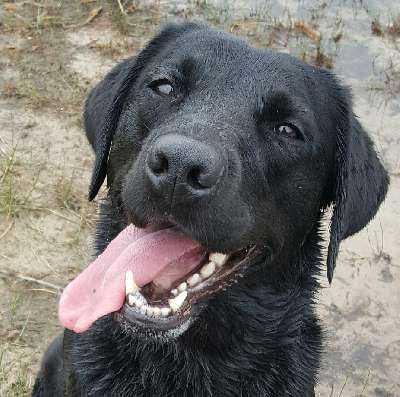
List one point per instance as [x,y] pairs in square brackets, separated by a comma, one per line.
[166,254]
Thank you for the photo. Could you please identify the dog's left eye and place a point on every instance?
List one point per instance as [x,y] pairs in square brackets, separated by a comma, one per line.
[162,87]
[288,131]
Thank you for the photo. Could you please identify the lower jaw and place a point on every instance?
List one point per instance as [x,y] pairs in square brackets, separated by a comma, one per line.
[139,325]
[179,321]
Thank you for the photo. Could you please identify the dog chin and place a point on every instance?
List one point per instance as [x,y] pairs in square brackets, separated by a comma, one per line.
[147,331]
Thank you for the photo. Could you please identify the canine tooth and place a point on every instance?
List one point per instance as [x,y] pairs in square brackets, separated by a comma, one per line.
[174,292]
[130,285]
[131,300]
[177,302]
[182,287]
[207,270]
[194,279]
[218,259]
[165,311]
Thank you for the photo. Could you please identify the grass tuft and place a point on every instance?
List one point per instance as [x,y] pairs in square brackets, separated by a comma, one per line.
[14,382]
[65,195]
[9,197]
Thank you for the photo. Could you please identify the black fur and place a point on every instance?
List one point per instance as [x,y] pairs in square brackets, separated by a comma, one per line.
[105,102]
[259,337]
[361,186]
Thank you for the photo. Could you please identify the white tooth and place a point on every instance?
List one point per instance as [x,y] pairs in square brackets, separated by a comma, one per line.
[207,270]
[130,285]
[143,309]
[157,311]
[136,299]
[150,310]
[182,287]
[165,311]
[218,259]
[138,303]
[194,279]
[131,300]
[174,292]
[140,299]
[177,302]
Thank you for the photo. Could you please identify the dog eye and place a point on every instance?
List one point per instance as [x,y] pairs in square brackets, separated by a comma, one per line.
[289,131]
[162,87]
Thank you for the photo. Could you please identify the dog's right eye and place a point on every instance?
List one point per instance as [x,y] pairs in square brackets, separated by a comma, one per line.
[162,87]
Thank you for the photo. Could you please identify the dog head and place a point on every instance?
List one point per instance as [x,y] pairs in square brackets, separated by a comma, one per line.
[240,148]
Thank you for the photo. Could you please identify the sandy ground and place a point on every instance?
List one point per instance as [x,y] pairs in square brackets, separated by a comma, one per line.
[52,52]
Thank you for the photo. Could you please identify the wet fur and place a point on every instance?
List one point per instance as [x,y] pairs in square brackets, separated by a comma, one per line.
[260,337]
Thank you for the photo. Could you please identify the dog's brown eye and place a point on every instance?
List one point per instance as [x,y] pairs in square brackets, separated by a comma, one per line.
[163,87]
[288,131]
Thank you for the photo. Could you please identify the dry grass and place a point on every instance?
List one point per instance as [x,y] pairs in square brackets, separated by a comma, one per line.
[15,195]
[15,376]
[265,30]
[389,80]
[44,82]
[21,385]
[390,29]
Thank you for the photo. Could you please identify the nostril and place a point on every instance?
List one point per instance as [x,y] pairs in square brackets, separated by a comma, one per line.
[160,165]
[200,177]
[193,178]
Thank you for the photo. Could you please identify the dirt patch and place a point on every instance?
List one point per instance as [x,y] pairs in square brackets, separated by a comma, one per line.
[51,53]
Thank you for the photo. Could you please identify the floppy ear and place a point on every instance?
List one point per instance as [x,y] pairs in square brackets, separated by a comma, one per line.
[104,104]
[361,186]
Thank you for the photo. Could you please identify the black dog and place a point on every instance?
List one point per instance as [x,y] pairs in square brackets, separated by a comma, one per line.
[238,149]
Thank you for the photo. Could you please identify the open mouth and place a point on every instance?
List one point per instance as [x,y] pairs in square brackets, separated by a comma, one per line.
[153,277]
[155,305]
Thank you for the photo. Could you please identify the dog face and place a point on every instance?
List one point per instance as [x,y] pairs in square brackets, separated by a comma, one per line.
[240,148]
[220,142]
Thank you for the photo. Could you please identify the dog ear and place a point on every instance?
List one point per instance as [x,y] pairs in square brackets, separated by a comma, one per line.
[361,186]
[104,104]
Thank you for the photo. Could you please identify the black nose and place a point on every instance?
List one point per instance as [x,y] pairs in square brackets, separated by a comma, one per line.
[183,167]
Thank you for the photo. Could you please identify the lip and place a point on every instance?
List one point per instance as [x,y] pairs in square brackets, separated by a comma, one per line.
[161,324]
[223,279]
